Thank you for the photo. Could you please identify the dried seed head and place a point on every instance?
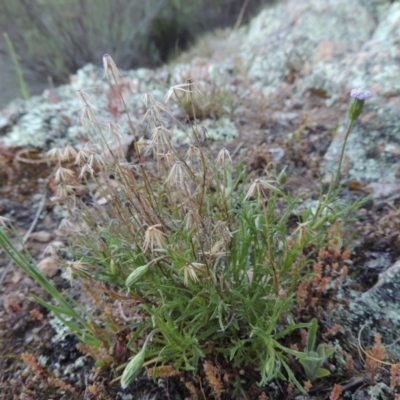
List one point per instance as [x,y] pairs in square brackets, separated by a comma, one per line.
[69,153]
[86,170]
[63,192]
[223,157]
[191,270]
[66,225]
[145,146]
[53,249]
[83,155]
[153,116]
[258,187]
[189,89]
[221,230]
[78,267]
[190,221]
[55,154]
[178,176]
[170,158]
[83,96]
[110,68]
[192,154]
[160,136]
[64,175]
[218,248]
[154,238]
[87,114]
[115,131]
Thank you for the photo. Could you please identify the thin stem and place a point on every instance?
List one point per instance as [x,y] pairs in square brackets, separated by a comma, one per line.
[351,122]
[335,184]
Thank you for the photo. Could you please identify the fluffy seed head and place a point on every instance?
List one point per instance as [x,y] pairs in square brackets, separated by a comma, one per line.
[55,154]
[178,176]
[223,157]
[64,175]
[191,270]
[154,238]
[110,68]
[258,187]
[69,153]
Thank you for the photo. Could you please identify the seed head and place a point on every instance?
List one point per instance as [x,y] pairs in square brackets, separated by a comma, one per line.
[170,158]
[83,154]
[63,191]
[64,175]
[55,154]
[86,170]
[223,157]
[161,139]
[258,187]
[178,176]
[221,230]
[69,153]
[66,225]
[154,238]
[110,68]
[191,270]
[190,221]
[192,153]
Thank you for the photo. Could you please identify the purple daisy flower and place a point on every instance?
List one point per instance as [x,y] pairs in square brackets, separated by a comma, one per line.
[360,94]
[357,103]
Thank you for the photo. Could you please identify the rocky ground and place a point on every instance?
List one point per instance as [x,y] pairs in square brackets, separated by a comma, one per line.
[276,90]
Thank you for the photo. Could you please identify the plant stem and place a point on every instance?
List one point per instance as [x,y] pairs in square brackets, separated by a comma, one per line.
[18,70]
[336,182]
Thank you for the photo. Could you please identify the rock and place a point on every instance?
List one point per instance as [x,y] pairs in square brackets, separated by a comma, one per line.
[42,236]
[325,49]
[375,311]
[48,267]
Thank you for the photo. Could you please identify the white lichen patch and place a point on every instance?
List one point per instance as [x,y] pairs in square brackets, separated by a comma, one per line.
[59,328]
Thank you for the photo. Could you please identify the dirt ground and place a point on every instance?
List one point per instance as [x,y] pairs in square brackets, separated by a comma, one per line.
[25,188]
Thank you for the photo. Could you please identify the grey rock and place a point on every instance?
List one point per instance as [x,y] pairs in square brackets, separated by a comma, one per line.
[375,311]
[330,47]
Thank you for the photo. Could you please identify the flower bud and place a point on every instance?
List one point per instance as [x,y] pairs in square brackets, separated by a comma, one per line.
[282,177]
[133,368]
[357,103]
[136,275]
